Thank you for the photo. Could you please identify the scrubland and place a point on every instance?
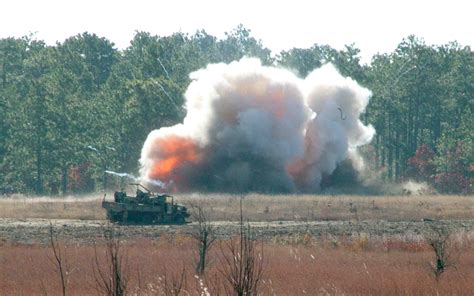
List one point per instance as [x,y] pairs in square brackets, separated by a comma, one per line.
[259,207]
[313,260]
[330,266]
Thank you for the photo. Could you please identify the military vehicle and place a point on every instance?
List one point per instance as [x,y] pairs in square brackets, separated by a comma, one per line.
[145,208]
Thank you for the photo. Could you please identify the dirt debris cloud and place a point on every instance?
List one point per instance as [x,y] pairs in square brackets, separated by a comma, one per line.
[258,128]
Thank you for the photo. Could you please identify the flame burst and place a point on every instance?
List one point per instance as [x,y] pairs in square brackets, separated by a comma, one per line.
[174,153]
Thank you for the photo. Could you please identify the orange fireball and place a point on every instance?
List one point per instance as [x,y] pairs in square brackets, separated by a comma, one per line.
[174,152]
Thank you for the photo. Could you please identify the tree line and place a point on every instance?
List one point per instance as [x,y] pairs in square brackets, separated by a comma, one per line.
[71,111]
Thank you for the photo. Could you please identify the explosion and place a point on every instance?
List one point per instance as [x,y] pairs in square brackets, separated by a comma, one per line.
[174,152]
[250,127]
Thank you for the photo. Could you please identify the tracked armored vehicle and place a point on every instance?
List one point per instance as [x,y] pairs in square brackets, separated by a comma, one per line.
[145,208]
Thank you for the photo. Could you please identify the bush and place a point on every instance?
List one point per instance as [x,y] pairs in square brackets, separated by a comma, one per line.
[421,166]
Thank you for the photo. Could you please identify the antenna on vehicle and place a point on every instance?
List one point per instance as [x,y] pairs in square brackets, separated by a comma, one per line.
[140,185]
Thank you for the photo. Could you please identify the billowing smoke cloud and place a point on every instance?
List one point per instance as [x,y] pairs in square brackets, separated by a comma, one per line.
[255,128]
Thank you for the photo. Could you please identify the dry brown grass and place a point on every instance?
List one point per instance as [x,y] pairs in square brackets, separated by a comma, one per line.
[72,207]
[259,207]
[336,207]
[352,266]
[296,265]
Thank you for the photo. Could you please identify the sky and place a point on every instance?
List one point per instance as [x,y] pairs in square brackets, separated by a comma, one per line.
[373,26]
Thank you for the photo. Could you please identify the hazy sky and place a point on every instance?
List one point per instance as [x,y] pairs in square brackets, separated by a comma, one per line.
[374,26]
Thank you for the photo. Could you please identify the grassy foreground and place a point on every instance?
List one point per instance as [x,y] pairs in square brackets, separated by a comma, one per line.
[294,265]
[308,267]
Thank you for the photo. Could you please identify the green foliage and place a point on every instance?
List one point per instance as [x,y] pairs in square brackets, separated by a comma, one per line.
[70,111]
[420,94]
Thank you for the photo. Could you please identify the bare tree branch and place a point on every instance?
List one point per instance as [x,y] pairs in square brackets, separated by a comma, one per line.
[114,279]
[173,284]
[242,262]
[60,260]
[440,239]
[204,235]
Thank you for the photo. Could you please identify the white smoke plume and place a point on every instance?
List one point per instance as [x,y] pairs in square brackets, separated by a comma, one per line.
[256,128]
[155,183]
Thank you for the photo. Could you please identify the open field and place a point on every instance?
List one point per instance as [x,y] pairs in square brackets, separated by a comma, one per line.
[312,245]
[337,207]
[224,207]
[26,220]
[311,267]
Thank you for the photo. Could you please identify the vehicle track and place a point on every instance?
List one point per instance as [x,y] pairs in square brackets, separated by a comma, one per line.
[36,231]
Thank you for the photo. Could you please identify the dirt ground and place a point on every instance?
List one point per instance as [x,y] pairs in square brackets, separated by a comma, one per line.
[35,231]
